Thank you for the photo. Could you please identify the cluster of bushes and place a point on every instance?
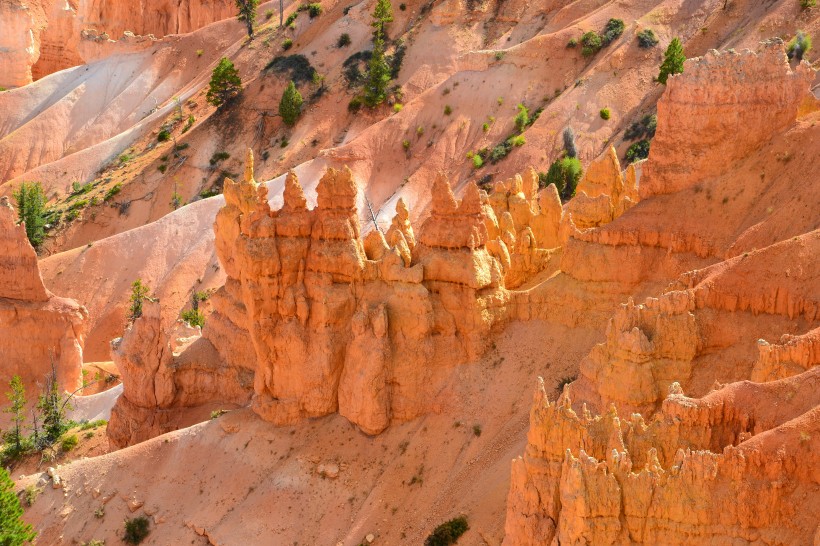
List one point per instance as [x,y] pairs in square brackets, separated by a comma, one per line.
[647,38]
[643,131]
[592,42]
[448,532]
[799,45]
[566,171]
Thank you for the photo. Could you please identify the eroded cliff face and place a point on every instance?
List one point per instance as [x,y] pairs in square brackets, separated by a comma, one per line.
[731,459]
[327,321]
[43,36]
[37,328]
[723,107]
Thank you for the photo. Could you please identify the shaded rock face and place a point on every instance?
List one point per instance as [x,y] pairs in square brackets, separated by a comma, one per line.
[36,327]
[338,323]
[43,36]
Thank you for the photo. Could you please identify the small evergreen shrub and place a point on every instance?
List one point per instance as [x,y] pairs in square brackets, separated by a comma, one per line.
[225,83]
[799,46]
[448,532]
[591,42]
[355,104]
[269,14]
[478,161]
[805,4]
[637,151]
[448,110]
[672,61]
[647,38]
[287,43]
[517,140]
[344,40]
[565,174]
[193,317]
[522,118]
[69,442]
[613,30]
[164,135]
[314,10]
[291,19]
[112,191]
[572,43]
[136,530]
[605,113]
[290,107]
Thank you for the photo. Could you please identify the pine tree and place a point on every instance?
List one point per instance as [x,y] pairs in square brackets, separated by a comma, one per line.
[672,61]
[382,14]
[290,107]
[225,83]
[17,396]
[13,530]
[31,204]
[52,405]
[378,76]
[247,13]
[139,292]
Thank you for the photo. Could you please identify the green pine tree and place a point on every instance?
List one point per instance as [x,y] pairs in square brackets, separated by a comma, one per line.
[672,61]
[52,405]
[31,205]
[225,83]
[14,437]
[290,107]
[13,530]
[247,13]
[139,292]
[382,14]
[378,75]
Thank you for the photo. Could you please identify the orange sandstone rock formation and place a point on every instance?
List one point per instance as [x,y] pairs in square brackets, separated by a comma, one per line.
[37,328]
[165,372]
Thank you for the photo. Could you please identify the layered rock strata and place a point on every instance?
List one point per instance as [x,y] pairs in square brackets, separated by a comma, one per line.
[37,328]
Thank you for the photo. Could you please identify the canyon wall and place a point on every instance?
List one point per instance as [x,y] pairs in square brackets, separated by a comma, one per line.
[326,320]
[731,460]
[43,36]
[37,328]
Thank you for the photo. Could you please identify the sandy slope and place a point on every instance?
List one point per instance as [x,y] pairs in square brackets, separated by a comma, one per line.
[268,474]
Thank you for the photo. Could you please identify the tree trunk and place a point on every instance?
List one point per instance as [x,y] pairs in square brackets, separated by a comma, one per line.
[281,12]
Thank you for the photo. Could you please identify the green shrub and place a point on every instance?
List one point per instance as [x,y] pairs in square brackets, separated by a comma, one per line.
[591,42]
[799,46]
[291,18]
[565,174]
[112,191]
[638,150]
[500,151]
[448,110]
[219,156]
[164,135]
[162,168]
[805,4]
[290,107]
[522,118]
[647,38]
[218,413]
[517,140]
[405,144]
[199,52]
[448,532]
[139,292]
[93,424]
[573,42]
[672,61]
[613,30]
[225,83]
[31,206]
[269,13]
[189,123]
[644,128]
[194,317]
[13,530]
[355,104]
[478,161]
[344,40]
[136,530]
[605,113]
[314,10]
[398,107]
[69,442]
[477,430]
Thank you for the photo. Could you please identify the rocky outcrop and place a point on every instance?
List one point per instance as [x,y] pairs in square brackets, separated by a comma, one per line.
[163,372]
[603,193]
[43,36]
[304,276]
[735,465]
[37,328]
[724,106]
